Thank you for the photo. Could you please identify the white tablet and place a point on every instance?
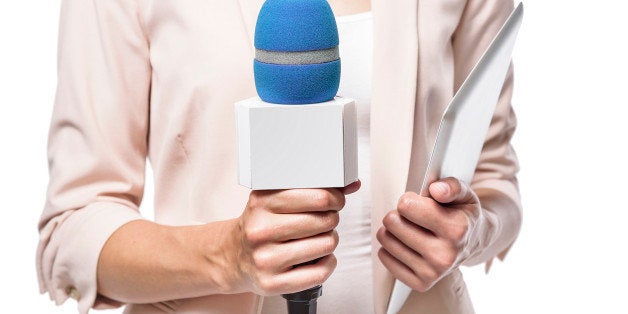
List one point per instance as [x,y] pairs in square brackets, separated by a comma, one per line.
[465,123]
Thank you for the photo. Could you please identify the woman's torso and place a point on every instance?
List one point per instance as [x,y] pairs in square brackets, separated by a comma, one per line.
[201,55]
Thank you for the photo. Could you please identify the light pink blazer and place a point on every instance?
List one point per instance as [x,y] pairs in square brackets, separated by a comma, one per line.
[158,79]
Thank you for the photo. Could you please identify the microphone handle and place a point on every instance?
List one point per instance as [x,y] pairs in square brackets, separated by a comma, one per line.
[303,302]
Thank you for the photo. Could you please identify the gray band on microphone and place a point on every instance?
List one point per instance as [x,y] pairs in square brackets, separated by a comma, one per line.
[297,57]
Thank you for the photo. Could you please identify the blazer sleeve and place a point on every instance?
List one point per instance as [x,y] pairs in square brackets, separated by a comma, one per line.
[97,144]
[498,165]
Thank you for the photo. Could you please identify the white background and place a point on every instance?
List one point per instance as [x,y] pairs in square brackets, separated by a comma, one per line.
[571,63]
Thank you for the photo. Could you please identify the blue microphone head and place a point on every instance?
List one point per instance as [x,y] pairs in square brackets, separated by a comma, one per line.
[296,52]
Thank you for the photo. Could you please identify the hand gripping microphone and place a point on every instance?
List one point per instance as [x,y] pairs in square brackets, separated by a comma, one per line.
[296,134]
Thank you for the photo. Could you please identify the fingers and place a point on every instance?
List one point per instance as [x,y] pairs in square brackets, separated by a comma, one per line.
[402,272]
[299,200]
[298,279]
[404,254]
[283,228]
[419,271]
[273,228]
[352,188]
[420,210]
[282,257]
[452,191]
[304,225]
[424,238]
[427,213]
[440,255]
[415,237]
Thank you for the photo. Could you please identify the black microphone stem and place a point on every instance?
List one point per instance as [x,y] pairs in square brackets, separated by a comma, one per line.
[303,302]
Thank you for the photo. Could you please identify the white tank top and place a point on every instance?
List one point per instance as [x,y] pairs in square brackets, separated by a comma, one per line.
[349,290]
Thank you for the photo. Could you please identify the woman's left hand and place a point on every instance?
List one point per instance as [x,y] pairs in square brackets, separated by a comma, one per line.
[425,238]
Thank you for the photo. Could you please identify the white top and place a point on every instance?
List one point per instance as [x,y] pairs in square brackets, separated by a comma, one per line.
[353,278]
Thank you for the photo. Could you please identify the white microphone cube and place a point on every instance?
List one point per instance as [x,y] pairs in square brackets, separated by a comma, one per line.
[296,146]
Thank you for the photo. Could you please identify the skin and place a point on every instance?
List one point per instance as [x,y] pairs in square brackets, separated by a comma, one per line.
[422,240]
[425,238]
[144,262]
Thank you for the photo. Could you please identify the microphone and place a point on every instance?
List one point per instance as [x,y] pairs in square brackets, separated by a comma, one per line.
[296,52]
[296,134]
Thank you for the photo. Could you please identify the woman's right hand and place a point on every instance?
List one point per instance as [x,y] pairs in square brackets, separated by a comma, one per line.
[282,228]
[146,262]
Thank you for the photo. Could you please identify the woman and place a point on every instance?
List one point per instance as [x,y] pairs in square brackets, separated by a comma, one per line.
[159,79]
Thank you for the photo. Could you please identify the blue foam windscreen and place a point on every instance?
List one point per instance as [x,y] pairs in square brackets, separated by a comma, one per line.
[297,59]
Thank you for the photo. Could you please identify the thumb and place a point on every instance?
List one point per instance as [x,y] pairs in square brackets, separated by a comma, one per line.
[351,188]
[452,191]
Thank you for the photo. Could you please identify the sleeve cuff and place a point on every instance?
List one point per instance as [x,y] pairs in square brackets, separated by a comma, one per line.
[70,258]
[501,227]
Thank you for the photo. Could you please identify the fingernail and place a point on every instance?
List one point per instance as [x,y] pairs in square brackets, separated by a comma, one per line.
[441,187]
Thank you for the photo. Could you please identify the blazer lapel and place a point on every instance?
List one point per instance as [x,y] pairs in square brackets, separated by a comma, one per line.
[395,54]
